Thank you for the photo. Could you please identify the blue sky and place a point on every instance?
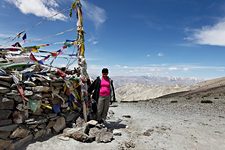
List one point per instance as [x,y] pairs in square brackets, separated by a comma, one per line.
[183,38]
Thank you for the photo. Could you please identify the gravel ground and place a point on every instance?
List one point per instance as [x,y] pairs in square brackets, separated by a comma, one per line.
[157,125]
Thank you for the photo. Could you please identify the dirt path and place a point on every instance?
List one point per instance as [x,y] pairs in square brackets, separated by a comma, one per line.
[157,125]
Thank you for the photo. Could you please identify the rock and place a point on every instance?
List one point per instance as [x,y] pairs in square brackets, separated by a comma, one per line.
[6,145]
[5,84]
[129,144]
[39,134]
[4,90]
[80,136]
[19,133]
[6,78]
[92,122]
[206,101]
[36,97]
[117,132]
[148,132]
[23,141]
[39,89]
[104,136]
[40,121]
[64,138]
[60,124]
[72,116]
[9,127]
[5,122]
[50,124]
[69,131]
[6,103]
[93,132]
[28,93]
[126,116]
[29,83]
[41,126]
[4,134]
[4,114]
[18,117]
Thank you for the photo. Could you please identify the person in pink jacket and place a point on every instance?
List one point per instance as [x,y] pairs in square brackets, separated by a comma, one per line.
[103,94]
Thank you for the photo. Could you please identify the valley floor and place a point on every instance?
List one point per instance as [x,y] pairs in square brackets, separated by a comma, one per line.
[157,125]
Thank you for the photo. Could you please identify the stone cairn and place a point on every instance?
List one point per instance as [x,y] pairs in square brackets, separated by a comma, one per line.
[36,103]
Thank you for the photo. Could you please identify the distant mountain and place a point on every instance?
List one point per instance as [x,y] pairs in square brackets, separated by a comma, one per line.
[135,88]
[154,80]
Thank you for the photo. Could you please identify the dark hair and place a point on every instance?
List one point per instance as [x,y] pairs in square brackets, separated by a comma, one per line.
[105,70]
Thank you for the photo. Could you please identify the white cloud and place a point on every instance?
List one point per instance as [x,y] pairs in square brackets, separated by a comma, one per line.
[40,8]
[93,40]
[160,54]
[209,35]
[94,13]
[148,55]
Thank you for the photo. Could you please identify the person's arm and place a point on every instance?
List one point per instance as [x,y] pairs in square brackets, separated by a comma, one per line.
[113,91]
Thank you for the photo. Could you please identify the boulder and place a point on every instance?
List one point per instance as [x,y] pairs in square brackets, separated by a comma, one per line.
[4,114]
[5,122]
[104,136]
[60,124]
[4,90]
[19,133]
[6,103]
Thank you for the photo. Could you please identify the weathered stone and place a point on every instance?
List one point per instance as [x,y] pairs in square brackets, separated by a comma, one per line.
[18,117]
[39,134]
[50,124]
[6,103]
[4,114]
[72,116]
[38,89]
[70,131]
[4,90]
[94,132]
[19,133]
[63,138]
[80,136]
[46,95]
[4,134]
[29,83]
[28,93]
[129,144]
[36,97]
[51,115]
[41,126]
[117,132]
[104,136]
[206,101]
[92,122]
[13,86]
[9,127]
[33,126]
[40,121]
[23,141]
[6,145]
[4,83]
[6,78]
[60,124]
[5,122]
[126,116]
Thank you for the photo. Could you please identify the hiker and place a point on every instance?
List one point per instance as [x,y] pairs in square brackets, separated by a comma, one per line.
[103,94]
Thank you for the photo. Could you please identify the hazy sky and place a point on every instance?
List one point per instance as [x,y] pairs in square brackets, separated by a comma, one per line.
[184,38]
